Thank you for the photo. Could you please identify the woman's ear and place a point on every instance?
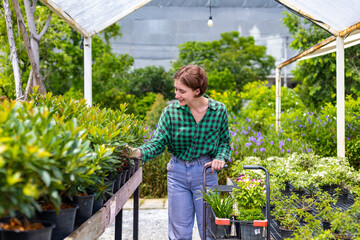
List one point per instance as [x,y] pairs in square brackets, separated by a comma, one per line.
[197,92]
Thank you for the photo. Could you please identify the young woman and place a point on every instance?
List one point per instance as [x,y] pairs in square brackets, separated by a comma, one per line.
[195,130]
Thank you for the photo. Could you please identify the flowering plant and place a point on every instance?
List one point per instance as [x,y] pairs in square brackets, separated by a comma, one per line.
[250,194]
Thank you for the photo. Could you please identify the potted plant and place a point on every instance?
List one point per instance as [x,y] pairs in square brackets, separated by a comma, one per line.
[324,208]
[250,198]
[247,229]
[222,210]
[285,212]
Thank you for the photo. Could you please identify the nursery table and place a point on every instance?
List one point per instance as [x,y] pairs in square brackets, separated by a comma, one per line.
[95,226]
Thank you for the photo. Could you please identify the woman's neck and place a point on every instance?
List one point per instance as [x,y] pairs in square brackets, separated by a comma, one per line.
[199,104]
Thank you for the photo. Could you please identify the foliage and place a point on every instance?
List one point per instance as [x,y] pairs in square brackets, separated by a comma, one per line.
[143,104]
[250,214]
[154,182]
[154,114]
[234,59]
[61,58]
[221,207]
[230,98]
[41,158]
[318,75]
[250,194]
[319,129]
[150,79]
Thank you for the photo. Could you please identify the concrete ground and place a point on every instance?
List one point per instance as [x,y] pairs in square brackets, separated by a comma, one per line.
[153,221]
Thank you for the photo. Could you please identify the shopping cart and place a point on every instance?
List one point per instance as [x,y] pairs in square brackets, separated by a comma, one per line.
[209,220]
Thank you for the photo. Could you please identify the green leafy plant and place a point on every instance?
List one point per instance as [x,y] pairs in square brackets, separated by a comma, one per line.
[221,207]
[250,194]
[250,214]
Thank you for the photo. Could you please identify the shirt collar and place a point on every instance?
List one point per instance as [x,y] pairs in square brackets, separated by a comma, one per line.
[212,104]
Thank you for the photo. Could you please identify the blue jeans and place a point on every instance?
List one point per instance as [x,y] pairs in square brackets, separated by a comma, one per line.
[185,180]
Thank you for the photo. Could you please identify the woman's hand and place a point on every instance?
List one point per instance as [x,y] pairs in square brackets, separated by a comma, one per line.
[215,165]
[132,152]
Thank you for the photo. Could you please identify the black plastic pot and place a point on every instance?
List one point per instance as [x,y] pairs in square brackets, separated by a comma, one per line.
[110,189]
[38,234]
[286,233]
[118,180]
[64,221]
[97,204]
[85,208]
[249,232]
[326,225]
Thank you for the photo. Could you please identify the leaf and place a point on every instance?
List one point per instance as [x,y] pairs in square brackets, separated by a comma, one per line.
[45,176]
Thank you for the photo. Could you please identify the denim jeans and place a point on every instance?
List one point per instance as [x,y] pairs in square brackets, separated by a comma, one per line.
[185,181]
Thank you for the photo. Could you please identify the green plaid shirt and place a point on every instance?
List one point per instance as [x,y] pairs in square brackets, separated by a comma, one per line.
[187,140]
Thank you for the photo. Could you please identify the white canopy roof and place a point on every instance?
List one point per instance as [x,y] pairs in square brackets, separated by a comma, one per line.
[336,16]
[90,17]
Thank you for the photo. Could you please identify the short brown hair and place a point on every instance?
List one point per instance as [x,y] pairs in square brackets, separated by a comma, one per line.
[193,77]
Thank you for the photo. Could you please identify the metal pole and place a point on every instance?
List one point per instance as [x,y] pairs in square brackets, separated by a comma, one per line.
[286,57]
[136,208]
[278,98]
[118,225]
[340,96]
[87,71]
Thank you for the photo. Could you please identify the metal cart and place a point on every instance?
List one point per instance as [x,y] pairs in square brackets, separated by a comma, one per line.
[229,188]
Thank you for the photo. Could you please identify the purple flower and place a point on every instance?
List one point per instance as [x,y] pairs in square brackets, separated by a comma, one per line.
[156,125]
[347,138]
[300,125]
[271,142]
[262,149]
[236,152]
[288,151]
[318,139]
[258,134]
[248,144]
[233,117]
[281,143]
[252,139]
[243,132]
[303,134]
[248,119]
[289,139]
[282,150]
[249,128]
[309,150]
[254,150]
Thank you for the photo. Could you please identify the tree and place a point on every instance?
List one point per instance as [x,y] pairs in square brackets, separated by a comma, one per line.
[12,47]
[317,76]
[61,59]
[233,56]
[151,79]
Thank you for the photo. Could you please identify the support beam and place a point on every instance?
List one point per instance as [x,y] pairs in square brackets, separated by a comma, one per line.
[87,71]
[340,96]
[278,98]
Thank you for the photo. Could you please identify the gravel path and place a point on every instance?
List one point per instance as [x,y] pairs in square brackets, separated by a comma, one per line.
[153,225]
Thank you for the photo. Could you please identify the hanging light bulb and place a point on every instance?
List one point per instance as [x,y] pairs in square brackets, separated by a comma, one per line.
[210,22]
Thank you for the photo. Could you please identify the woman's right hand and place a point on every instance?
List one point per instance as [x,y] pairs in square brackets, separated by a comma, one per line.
[132,152]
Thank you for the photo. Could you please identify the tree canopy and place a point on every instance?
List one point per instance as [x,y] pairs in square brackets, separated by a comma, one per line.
[230,62]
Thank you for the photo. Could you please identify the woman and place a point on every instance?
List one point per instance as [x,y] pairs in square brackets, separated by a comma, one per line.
[195,131]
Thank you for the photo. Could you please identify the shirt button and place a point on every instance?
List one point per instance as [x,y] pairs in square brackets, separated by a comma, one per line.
[193,147]
[196,125]
[190,158]
[194,137]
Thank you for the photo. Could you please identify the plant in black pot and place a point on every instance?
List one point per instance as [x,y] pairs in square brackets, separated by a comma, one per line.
[26,170]
[250,198]
[324,208]
[222,208]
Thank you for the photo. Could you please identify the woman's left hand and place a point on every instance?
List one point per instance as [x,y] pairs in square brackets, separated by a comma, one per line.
[215,165]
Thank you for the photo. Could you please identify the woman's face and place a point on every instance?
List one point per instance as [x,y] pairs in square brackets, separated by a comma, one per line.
[183,93]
